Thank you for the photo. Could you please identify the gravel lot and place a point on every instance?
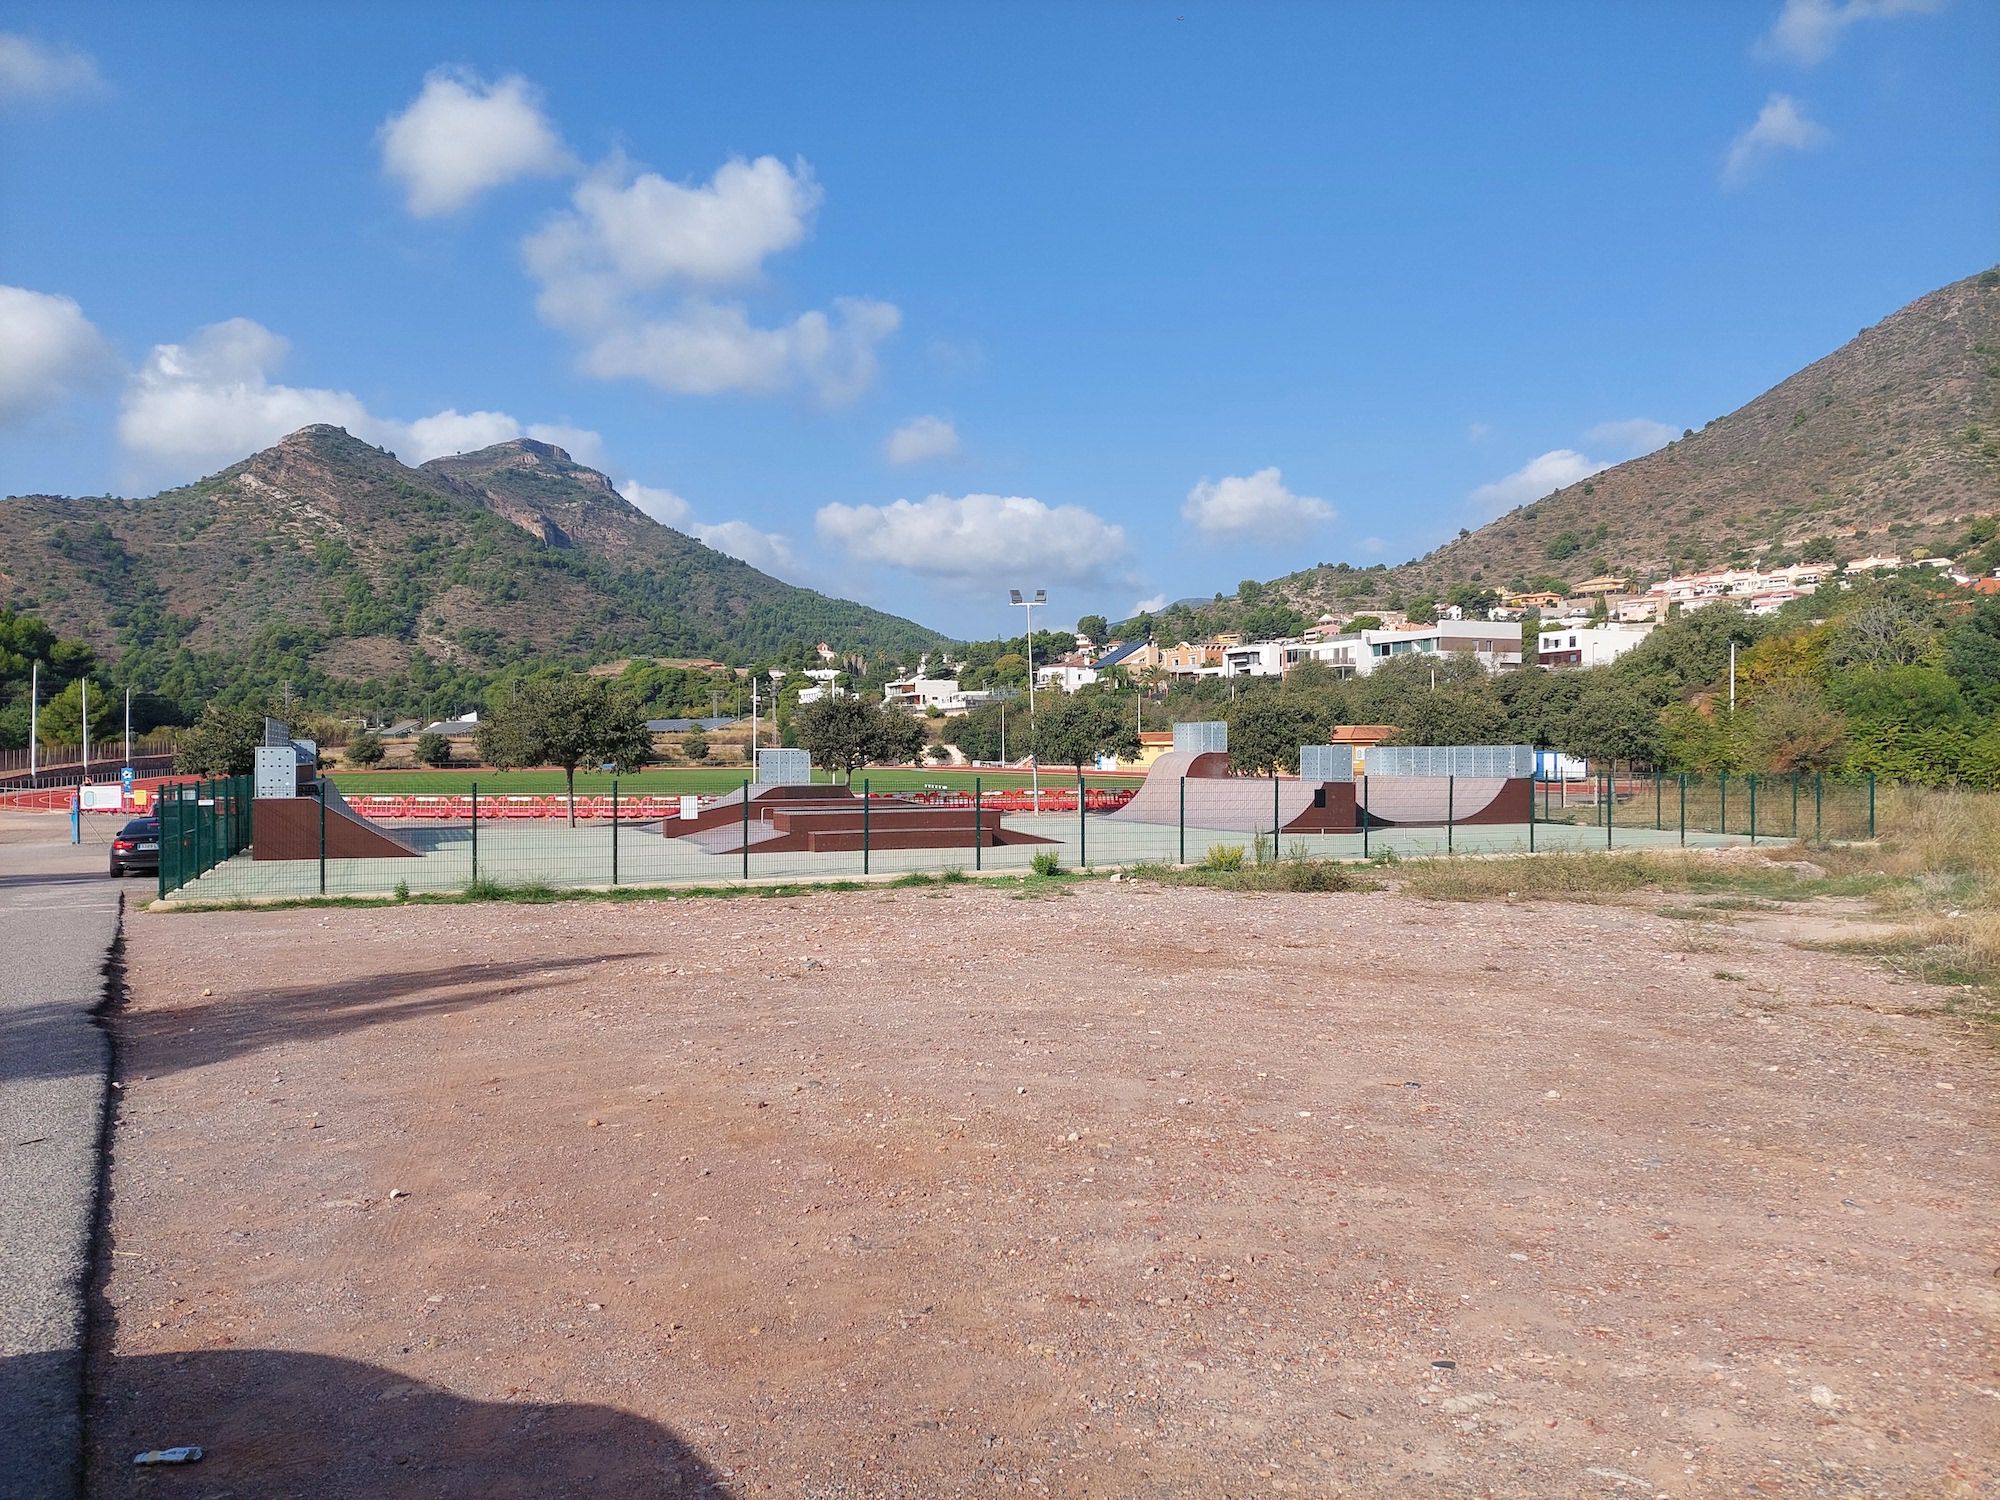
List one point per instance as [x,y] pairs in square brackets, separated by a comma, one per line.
[1127,1191]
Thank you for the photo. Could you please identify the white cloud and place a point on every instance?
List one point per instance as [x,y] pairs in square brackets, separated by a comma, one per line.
[198,406]
[978,537]
[1250,504]
[1632,436]
[1536,478]
[1779,127]
[1807,31]
[1477,432]
[920,439]
[31,71]
[461,136]
[708,348]
[647,232]
[764,550]
[662,504]
[767,550]
[1150,606]
[626,242]
[48,349]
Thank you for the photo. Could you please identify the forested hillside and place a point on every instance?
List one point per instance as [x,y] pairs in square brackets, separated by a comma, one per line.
[325,563]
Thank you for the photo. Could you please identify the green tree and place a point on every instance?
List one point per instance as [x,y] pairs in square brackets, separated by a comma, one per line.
[565,721]
[694,744]
[222,742]
[1363,622]
[1074,731]
[844,734]
[433,749]
[61,719]
[1094,626]
[1702,742]
[365,749]
[1267,728]
[1793,730]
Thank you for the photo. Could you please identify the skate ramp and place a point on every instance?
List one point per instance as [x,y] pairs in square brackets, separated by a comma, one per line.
[288,828]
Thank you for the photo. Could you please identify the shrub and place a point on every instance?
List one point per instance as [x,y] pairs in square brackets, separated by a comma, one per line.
[1046,863]
[365,749]
[1224,858]
[694,745]
[433,749]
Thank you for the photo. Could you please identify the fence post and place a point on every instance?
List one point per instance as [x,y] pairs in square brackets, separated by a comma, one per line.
[746,829]
[322,836]
[160,874]
[978,829]
[1684,810]
[864,824]
[1795,803]
[1871,804]
[1657,820]
[614,830]
[1450,804]
[1819,789]
[475,833]
[1277,820]
[1722,801]
[1183,858]
[1610,801]
[1364,817]
[1531,816]
[1753,807]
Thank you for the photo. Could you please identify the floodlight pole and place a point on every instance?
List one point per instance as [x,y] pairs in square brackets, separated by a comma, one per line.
[128,725]
[34,709]
[1034,760]
[86,728]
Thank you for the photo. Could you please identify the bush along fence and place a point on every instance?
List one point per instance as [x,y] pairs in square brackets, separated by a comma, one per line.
[202,825]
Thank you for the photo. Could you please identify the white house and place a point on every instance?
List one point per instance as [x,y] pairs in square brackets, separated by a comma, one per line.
[1066,675]
[922,692]
[1589,645]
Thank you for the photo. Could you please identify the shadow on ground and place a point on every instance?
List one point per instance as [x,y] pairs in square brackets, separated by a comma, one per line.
[275,1424]
[206,1030]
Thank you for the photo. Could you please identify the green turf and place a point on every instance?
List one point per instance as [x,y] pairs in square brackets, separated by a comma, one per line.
[678,780]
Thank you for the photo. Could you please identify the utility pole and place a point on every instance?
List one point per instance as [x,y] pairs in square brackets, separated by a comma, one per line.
[86,727]
[1732,676]
[753,721]
[128,725]
[1034,760]
[34,706]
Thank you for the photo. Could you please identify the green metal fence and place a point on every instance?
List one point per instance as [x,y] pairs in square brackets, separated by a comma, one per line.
[1803,805]
[202,824]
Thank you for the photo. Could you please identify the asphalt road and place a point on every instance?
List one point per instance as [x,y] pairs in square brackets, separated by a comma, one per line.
[58,920]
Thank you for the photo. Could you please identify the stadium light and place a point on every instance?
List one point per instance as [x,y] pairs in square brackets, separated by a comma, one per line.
[1034,760]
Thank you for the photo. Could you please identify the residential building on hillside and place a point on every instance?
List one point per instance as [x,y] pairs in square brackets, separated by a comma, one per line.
[1187,660]
[1589,645]
[1068,674]
[1496,643]
[921,693]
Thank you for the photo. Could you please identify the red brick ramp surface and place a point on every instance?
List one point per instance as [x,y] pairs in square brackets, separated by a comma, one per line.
[288,828]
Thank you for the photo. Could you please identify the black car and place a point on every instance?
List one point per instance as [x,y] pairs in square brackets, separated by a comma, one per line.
[137,847]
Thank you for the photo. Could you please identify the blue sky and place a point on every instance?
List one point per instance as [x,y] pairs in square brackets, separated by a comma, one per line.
[917,303]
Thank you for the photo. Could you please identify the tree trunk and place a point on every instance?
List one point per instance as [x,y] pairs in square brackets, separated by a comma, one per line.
[570,772]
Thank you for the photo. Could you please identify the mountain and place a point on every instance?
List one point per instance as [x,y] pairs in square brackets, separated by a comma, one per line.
[325,543]
[1889,443]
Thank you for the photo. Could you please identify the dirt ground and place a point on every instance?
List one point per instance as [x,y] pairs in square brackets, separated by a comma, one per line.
[1129,1191]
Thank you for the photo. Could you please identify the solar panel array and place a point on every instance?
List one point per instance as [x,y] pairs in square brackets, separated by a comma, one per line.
[1197,736]
[1326,762]
[1452,760]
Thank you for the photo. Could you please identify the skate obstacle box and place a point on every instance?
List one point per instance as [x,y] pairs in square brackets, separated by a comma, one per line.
[286,817]
[787,814]
[1192,785]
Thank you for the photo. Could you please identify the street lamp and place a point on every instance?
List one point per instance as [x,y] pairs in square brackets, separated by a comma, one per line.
[1034,760]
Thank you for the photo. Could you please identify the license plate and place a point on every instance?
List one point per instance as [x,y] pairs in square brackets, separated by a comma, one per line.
[148,848]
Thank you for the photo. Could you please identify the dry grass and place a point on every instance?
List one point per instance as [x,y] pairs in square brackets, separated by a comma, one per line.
[1291,874]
